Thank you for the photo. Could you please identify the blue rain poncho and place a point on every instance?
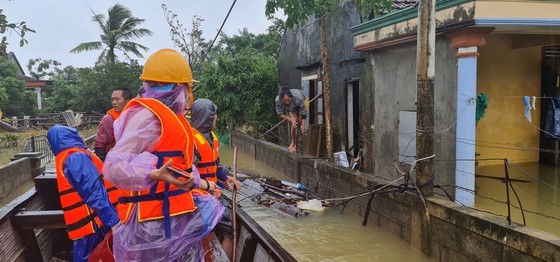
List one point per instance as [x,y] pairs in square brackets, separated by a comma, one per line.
[82,174]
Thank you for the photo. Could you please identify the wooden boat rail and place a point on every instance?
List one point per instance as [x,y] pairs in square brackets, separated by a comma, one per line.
[255,243]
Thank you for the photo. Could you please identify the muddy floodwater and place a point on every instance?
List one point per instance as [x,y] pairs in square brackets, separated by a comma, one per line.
[325,236]
[537,186]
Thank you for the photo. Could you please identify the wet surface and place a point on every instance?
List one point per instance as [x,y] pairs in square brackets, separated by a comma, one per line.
[538,189]
[323,236]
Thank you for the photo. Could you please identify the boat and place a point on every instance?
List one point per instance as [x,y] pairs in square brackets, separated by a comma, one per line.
[32,228]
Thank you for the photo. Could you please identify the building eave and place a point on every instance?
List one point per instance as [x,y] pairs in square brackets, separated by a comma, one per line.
[517,17]
[400,16]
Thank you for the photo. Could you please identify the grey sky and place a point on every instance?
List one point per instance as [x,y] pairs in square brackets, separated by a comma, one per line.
[63,24]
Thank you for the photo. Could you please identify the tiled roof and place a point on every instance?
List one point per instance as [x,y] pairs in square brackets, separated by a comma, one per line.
[398,5]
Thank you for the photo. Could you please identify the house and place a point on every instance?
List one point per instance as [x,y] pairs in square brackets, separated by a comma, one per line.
[505,50]
[31,84]
[299,66]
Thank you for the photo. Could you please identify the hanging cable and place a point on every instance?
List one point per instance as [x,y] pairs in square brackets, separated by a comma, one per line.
[218,33]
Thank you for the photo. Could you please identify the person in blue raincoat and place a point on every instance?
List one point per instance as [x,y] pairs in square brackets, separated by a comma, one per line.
[86,198]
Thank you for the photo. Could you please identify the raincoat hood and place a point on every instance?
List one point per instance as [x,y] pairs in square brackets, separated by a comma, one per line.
[63,137]
[203,112]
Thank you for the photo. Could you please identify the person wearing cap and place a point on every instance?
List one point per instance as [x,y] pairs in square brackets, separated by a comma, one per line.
[203,121]
[152,165]
[105,140]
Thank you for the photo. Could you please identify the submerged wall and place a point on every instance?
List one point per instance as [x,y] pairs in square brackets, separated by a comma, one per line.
[454,233]
[13,175]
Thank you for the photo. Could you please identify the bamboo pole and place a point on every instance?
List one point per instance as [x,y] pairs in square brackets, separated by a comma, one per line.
[284,120]
[234,205]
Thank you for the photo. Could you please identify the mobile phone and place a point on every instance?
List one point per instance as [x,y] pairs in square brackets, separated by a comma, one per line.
[178,171]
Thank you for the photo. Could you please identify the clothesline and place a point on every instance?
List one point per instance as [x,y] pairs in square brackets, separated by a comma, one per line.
[538,97]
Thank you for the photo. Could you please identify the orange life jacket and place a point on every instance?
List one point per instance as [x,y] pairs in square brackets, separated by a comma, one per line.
[114,113]
[115,116]
[163,200]
[208,165]
[79,217]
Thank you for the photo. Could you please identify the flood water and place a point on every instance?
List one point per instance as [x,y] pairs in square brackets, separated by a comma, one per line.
[540,194]
[326,236]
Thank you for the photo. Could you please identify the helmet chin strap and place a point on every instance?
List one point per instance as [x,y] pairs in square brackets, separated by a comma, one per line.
[191,96]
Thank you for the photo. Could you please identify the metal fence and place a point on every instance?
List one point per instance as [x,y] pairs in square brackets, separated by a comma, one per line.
[39,144]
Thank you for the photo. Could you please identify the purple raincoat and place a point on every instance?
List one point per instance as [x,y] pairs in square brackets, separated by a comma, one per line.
[127,166]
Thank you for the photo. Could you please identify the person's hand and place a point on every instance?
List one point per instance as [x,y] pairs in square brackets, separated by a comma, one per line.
[210,187]
[235,182]
[302,128]
[162,174]
[214,190]
[294,122]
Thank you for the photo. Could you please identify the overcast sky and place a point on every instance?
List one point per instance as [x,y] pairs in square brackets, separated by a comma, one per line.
[61,25]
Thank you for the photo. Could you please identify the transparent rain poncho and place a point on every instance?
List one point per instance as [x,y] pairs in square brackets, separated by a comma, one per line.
[128,165]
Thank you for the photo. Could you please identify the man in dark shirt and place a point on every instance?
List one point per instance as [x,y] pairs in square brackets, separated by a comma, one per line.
[105,139]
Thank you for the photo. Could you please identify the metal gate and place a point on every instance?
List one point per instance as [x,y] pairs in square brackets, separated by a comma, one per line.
[39,144]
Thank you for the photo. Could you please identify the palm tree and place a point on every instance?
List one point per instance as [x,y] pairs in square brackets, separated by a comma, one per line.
[118,32]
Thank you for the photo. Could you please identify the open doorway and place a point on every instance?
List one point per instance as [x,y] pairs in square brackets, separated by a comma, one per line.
[550,88]
[353,116]
[312,87]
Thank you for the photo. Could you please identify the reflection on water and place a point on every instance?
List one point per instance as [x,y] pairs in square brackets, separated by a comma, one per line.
[327,236]
[536,196]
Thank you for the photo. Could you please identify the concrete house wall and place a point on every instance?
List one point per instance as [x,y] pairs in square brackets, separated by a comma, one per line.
[301,49]
[393,84]
[505,74]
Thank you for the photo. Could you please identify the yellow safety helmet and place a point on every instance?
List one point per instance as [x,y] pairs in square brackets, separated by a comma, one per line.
[167,66]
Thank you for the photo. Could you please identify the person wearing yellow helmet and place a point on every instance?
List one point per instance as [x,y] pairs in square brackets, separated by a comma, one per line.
[152,165]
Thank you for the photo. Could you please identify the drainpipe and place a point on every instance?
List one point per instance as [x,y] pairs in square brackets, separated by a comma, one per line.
[425,70]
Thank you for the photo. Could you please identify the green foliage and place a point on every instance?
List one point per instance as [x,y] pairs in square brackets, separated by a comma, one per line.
[64,95]
[89,89]
[300,11]
[268,44]
[8,140]
[118,32]
[14,100]
[242,85]
[43,69]
[190,42]
[97,84]
[20,28]
[239,74]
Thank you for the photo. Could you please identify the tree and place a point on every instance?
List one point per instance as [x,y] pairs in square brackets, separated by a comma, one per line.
[14,100]
[118,32]
[95,85]
[268,43]
[20,28]
[42,69]
[241,78]
[299,12]
[241,85]
[64,95]
[190,43]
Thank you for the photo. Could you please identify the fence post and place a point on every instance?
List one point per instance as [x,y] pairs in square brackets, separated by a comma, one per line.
[507,191]
[33,144]
[15,121]
[26,123]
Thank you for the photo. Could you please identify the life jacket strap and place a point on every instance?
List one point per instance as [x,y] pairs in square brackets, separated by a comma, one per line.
[80,223]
